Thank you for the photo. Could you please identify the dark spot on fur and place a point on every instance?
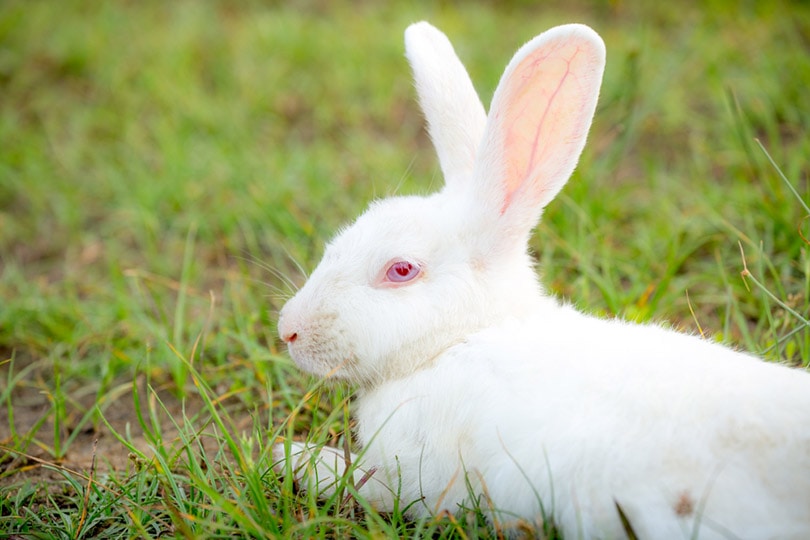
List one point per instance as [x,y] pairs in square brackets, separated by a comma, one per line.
[684,506]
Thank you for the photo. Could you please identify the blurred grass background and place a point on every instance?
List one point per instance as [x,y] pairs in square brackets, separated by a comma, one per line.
[169,171]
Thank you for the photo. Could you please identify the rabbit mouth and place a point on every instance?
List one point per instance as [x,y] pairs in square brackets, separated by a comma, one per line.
[327,364]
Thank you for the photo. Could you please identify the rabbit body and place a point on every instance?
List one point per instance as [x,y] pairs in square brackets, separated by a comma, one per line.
[564,415]
[475,386]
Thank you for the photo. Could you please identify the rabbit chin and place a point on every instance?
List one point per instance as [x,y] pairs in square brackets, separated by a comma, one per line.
[369,366]
[323,366]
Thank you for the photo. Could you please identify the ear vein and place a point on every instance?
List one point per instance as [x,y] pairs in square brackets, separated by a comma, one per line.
[541,123]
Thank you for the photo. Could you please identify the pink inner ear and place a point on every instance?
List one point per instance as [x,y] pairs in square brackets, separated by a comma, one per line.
[543,121]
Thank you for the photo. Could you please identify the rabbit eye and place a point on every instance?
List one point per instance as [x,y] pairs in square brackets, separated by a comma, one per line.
[401,272]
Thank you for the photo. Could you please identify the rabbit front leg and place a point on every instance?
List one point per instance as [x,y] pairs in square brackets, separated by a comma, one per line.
[325,469]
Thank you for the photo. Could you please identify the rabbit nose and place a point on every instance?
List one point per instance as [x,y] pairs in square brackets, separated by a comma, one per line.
[286,330]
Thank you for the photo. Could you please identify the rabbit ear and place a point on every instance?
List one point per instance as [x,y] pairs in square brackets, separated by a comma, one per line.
[454,113]
[538,123]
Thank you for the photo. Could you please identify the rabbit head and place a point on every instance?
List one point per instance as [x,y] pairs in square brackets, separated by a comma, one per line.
[414,276]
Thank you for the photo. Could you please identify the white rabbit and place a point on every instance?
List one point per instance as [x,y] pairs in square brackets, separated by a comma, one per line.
[476,387]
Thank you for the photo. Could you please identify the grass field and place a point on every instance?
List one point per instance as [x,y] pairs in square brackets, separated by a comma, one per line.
[170,170]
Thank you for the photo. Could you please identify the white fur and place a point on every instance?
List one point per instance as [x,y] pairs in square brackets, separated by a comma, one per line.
[474,385]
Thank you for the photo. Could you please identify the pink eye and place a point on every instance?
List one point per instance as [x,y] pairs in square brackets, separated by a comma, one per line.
[401,272]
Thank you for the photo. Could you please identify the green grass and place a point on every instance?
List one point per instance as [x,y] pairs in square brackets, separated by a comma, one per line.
[168,170]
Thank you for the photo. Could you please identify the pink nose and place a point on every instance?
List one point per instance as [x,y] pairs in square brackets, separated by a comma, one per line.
[287,330]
